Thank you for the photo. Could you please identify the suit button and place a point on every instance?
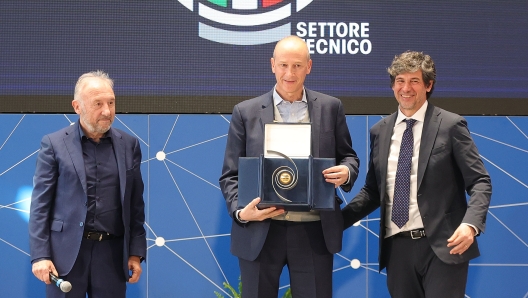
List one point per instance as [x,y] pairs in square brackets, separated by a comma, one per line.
[81,224]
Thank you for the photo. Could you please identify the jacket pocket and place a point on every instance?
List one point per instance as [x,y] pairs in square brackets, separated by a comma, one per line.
[56,225]
[439,149]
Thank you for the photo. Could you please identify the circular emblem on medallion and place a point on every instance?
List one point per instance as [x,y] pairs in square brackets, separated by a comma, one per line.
[285,178]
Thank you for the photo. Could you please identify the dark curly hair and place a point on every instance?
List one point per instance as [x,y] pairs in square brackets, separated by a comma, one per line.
[411,61]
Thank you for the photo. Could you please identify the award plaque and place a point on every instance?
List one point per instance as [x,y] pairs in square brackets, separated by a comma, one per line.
[286,176]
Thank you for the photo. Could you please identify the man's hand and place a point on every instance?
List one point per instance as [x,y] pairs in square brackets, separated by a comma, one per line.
[42,269]
[252,213]
[461,239]
[134,265]
[336,175]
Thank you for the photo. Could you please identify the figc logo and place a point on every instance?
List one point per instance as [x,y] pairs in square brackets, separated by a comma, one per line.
[245,22]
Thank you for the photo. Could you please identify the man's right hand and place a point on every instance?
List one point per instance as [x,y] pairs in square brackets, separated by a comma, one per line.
[252,213]
[42,269]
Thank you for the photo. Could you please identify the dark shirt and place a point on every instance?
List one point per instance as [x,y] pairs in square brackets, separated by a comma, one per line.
[102,180]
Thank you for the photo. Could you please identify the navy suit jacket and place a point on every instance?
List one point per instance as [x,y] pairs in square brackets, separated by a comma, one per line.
[59,199]
[330,138]
[448,166]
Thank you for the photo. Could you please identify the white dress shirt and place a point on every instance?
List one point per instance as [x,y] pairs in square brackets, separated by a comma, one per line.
[415,220]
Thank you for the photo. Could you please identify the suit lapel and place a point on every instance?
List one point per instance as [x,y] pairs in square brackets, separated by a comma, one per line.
[266,117]
[72,141]
[314,110]
[266,113]
[384,146]
[431,125]
[120,153]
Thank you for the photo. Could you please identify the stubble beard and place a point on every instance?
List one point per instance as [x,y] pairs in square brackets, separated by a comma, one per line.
[93,129]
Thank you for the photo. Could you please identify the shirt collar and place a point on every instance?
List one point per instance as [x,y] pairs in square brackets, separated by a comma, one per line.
[277,99]
[81,131]
[418,116]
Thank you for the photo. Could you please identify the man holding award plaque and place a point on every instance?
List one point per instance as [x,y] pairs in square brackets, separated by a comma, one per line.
[266,237]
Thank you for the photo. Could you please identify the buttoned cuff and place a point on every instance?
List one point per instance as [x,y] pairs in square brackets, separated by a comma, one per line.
[475,229]
[348,179]
[237,217]
[39,259]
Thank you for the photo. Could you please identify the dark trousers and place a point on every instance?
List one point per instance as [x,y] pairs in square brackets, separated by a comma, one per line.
[302,248]
[414,271]
[98,272]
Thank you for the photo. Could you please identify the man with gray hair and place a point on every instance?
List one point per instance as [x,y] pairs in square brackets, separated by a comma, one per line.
[87,210]
[422,162]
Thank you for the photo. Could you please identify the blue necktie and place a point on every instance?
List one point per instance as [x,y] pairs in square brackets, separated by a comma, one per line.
[402,184]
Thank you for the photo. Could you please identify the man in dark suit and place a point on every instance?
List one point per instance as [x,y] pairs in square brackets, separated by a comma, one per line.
[427,226]
[265,240]
[87,210]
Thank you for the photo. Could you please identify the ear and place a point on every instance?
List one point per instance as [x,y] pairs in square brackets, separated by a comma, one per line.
[428,88]
[76,106]
[272,61]
[309,68]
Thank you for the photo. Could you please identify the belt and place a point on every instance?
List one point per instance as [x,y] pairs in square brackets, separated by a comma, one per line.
[414,234]
[299,216]
[98,236]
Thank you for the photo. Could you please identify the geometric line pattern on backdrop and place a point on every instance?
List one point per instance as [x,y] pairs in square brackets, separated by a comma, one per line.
[188,226]
[194,219]
[162,156]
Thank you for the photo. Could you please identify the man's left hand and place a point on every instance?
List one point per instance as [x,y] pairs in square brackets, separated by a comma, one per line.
[134,265]
[461,239]
[336,175]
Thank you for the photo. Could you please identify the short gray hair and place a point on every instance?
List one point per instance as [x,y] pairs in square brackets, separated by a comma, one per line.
[411,61]
[92,74]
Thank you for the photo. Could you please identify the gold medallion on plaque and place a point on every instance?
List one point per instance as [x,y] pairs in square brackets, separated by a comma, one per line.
[285,178]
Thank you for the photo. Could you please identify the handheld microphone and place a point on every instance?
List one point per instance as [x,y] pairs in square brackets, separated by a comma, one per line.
[65,286]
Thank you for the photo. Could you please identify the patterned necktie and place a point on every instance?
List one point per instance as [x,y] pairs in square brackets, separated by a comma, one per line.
[402,184]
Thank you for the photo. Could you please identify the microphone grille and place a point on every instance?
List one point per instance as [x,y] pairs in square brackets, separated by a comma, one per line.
[65,286]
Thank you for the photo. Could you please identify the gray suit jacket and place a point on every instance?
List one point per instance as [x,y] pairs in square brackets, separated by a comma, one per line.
[330,138]
[59,199]
[448,166]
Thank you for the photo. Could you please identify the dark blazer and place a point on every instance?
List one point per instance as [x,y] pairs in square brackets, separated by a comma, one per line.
[448,165]
[59,199]
[330,138]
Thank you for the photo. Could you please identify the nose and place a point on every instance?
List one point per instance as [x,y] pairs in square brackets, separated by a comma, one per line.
[406,86]
[291,69]
[106,110]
